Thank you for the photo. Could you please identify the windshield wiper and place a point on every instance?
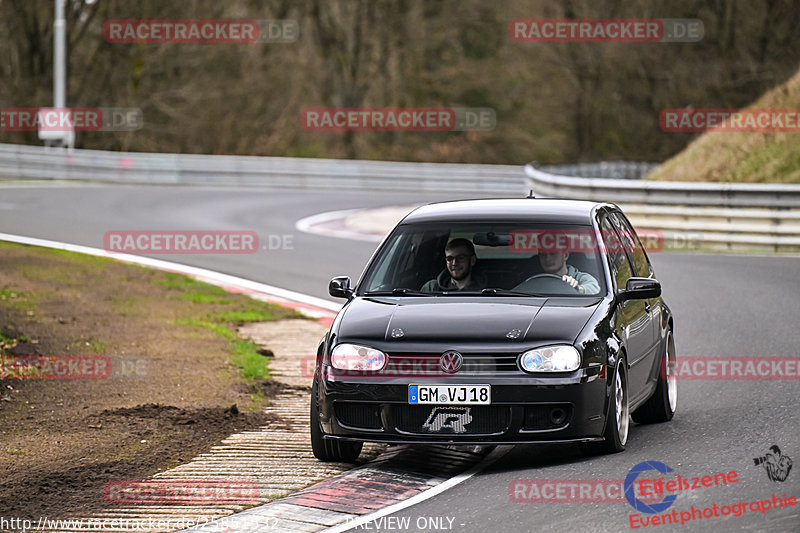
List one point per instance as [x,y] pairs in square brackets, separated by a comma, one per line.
[400,291]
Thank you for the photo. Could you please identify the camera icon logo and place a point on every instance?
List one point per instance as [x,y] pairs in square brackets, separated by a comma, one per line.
[775,463]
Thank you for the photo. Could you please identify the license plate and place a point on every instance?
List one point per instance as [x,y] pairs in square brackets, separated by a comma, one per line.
[450,394]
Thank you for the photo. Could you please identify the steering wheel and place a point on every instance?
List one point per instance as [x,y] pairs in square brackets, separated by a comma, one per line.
[550,284]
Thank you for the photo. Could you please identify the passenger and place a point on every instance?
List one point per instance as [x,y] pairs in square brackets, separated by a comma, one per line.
[460,257]
[556,263]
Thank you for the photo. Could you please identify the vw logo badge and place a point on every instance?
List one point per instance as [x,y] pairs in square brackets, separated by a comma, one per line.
[451,362]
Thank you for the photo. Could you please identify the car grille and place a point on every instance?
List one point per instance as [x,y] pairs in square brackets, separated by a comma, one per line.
[549,416]
[451,419]
[358,415]
[428,364]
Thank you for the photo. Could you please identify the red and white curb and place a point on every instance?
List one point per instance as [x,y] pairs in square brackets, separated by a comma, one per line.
[359,224]
[363,496]
[332,224]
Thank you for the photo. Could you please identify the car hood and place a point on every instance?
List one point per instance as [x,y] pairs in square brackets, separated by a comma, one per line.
[465,319]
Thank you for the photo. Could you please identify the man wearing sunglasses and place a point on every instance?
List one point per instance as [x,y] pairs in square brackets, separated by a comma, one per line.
[460,261]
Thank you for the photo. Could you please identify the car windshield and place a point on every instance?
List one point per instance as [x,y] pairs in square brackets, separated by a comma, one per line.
[513,259]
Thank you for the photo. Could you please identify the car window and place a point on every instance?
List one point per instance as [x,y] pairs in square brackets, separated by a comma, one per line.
[407,259]
[506,255]
[383,271]
[618,261]
[633,246]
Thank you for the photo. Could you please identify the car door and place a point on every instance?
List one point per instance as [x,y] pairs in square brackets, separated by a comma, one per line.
[633,319]
[643,269]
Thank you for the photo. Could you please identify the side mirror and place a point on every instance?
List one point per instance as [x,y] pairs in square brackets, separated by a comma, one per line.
[339,287]
[640,289]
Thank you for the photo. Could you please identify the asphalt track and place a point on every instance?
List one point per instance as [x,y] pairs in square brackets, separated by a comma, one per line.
[723,305]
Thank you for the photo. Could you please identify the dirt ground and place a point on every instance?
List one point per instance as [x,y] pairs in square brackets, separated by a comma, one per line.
[165,389]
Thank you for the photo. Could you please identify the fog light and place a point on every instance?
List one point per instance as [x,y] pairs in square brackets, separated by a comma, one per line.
[558,416]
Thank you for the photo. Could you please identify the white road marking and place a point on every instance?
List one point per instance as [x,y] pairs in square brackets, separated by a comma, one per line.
[496,454]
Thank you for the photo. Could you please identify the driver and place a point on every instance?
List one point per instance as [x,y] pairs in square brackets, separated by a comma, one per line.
[556,263]
[460,259]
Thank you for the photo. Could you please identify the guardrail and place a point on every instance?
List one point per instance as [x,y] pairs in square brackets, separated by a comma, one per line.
[716,215]
[33,162]
[728,216]
[767,195]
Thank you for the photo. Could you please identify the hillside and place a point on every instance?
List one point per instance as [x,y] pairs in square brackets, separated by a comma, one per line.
[743,156]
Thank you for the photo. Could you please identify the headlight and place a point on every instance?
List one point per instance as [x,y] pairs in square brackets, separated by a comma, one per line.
[550,359]
[355,357]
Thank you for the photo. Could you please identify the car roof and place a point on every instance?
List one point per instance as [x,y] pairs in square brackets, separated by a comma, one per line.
[544,210]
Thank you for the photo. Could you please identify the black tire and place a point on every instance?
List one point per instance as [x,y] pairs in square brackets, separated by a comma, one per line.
[617,419]
[329,450]
[660,407]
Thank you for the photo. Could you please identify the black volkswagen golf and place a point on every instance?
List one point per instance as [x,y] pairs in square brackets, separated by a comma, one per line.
[497,321]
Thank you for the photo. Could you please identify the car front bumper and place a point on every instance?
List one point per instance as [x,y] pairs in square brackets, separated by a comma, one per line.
[523,409]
